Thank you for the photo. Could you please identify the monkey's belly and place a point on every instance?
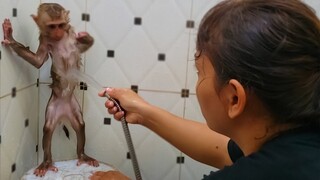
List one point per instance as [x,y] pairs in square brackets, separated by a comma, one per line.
[69,170]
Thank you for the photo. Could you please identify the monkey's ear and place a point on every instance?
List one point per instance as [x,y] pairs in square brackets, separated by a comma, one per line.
[35,18]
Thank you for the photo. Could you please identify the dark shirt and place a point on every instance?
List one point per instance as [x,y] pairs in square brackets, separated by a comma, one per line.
[292,155]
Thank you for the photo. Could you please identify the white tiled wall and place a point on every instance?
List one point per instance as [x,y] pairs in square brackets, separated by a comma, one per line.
[135,62]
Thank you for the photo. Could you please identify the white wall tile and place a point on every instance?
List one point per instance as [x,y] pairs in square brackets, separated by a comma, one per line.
[111,20]
[170,74]
[134,60]
[18,141]
[139,7]
[105,70]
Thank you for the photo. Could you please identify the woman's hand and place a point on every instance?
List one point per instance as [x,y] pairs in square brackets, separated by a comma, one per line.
[131,103]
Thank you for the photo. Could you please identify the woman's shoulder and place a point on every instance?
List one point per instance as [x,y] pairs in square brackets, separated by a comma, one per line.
[291,155]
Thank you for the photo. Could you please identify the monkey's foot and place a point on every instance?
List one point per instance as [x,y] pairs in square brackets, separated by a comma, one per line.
[84,159]
[42,169]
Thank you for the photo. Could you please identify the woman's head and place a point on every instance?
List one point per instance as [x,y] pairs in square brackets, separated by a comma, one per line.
[273,49]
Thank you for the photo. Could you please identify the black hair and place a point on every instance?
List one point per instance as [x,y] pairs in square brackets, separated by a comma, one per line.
[273,49]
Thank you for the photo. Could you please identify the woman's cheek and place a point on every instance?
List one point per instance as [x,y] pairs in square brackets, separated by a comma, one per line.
[205,93]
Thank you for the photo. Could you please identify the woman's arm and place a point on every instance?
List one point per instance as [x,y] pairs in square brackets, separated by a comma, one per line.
[192,138]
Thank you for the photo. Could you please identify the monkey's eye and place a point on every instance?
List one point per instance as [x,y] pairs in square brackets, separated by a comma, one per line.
[62,25]
[54,26]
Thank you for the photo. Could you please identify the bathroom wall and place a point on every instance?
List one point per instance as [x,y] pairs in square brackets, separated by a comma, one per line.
[146,45]
[18,95]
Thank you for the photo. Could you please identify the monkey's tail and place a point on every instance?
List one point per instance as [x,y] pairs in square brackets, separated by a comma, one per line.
[66,131]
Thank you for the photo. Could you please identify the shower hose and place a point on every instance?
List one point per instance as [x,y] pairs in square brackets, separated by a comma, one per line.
[128,139]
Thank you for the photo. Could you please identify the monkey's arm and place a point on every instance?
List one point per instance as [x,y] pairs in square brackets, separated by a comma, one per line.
[36,59]
[85,41]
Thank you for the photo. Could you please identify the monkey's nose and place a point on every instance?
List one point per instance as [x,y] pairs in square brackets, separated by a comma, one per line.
[57,35]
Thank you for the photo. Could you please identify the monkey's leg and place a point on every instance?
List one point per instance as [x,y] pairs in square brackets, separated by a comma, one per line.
[50,124]
[79,127]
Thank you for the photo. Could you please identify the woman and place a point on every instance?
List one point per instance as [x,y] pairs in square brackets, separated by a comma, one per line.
[259,90]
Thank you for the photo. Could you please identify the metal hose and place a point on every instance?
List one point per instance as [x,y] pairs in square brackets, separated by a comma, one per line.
[129,140]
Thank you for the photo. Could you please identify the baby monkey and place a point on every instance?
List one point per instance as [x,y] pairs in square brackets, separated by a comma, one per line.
[59,41]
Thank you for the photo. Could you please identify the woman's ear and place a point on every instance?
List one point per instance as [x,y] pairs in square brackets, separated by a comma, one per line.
[235,98]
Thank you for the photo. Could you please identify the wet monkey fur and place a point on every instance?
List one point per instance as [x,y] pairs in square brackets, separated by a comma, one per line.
[59,41]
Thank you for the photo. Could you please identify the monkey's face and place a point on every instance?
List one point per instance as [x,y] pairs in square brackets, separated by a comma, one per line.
[52,25]
[55,29]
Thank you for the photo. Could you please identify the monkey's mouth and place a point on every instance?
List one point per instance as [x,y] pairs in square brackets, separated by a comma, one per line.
[57,38]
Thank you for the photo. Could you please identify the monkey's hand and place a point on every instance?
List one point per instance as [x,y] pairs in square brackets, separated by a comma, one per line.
[84,38]
[84,41]
[7,32]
